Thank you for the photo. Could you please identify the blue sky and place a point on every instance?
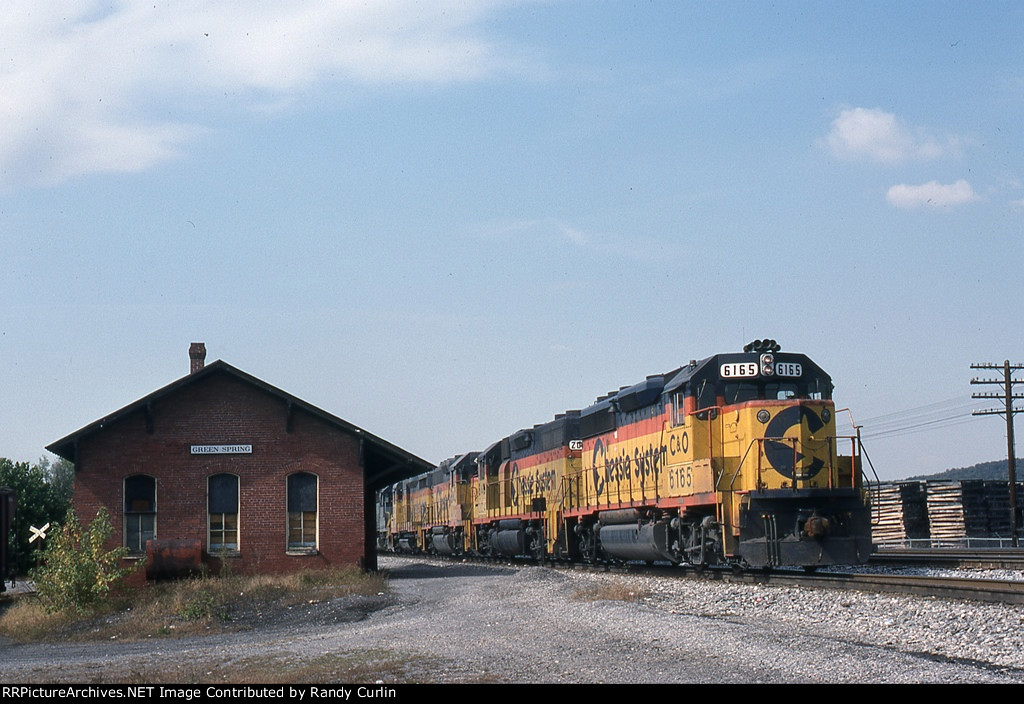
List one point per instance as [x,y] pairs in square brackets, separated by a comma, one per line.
[446,221]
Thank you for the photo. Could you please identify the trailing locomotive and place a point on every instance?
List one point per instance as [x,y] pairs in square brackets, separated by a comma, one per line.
[733,459]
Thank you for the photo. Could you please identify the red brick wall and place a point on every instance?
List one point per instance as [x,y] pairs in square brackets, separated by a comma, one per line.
[221,409]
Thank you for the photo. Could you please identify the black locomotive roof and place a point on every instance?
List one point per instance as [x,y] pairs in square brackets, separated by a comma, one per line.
[651,389]
[603,405]
[459,463]
[495,453]
[630,398]
[685,374]
[643,394]
[709,368]
[545,436]
[540,438]
[600,416]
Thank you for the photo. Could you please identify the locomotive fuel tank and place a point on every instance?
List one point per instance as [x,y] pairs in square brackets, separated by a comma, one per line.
[510,538]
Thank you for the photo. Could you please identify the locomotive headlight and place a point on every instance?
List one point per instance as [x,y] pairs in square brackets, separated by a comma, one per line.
[763,415]
[825,415]
[767,364]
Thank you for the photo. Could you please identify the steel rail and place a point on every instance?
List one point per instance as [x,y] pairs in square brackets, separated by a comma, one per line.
[954,588]
[958,588]
[977,558]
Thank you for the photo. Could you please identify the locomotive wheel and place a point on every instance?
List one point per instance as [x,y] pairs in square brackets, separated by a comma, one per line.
[484,543]
[588,544]
[539,546]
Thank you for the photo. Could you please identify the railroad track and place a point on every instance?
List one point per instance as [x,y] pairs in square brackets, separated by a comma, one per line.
[995,559]
[944,587]
[962,588]
[959,588]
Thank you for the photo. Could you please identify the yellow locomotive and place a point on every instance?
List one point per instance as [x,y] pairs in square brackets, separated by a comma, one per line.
[730,459]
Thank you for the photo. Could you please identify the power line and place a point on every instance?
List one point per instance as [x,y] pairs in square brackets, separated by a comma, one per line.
[940,414]
[1006,398]
[919,427]
[954,402]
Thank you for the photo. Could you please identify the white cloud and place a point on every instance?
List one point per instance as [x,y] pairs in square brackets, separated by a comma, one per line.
[573,234]
[534,227]
[120,86]
[932,194]
[876,135]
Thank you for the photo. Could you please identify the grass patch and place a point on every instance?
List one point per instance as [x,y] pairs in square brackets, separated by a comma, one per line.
[186,607]
[610,591]
[354,666]
[24,619]
[359,666]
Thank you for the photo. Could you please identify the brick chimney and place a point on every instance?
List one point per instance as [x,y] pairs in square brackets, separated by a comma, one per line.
[197,353]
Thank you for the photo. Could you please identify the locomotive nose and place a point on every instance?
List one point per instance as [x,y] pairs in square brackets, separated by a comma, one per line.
[791,446]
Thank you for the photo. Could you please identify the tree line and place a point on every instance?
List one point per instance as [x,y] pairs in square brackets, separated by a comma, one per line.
[44,496]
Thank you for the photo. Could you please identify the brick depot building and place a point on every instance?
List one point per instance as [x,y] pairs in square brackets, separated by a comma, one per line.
[221,465]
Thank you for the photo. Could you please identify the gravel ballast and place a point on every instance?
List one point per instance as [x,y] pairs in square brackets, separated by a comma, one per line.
[453,622]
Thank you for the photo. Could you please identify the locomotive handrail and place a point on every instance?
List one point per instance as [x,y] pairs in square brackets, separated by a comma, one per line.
[738,467]
[864,452]
[878,483]
[833,469]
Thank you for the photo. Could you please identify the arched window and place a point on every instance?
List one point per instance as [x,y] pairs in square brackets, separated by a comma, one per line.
[302,504]
[222,512]
[139,512]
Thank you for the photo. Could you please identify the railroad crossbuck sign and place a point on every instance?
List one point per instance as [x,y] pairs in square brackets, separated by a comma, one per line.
[38,532]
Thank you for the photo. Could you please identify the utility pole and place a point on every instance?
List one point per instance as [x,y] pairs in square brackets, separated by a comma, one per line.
[1007,397]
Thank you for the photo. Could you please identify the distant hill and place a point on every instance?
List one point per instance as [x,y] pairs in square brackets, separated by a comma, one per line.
[983,470]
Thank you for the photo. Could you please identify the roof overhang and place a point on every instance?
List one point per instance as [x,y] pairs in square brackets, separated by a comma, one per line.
[383,462]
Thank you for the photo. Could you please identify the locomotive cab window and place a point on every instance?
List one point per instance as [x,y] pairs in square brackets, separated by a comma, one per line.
[782,392]
[819,389]
[741,392]
[678,408]
[707,397]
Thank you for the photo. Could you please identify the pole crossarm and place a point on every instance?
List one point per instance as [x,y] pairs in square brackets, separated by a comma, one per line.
[1008,396]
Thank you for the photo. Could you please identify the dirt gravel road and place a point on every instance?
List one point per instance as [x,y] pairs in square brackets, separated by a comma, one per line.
[445,623]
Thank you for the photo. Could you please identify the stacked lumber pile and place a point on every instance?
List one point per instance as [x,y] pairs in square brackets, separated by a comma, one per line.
[887,515]
[946,512]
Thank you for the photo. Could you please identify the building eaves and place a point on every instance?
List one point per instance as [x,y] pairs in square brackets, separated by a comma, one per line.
[65,447]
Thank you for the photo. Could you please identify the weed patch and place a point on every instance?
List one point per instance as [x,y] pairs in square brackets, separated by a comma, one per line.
[610,591]
[201,605]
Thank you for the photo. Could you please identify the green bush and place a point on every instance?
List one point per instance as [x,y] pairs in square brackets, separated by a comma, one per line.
[77,569]
[44,494]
